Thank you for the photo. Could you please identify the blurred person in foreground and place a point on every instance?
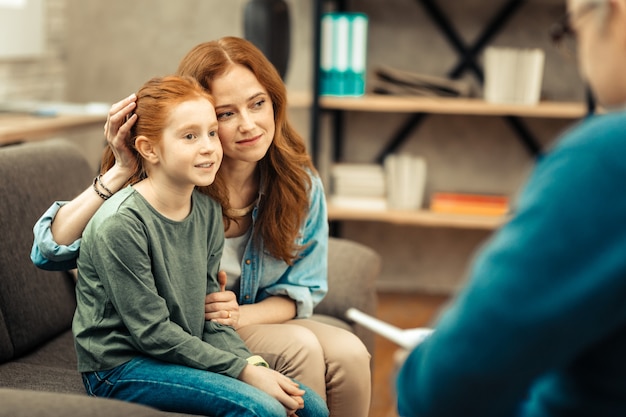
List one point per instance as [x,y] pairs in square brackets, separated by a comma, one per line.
[540,329]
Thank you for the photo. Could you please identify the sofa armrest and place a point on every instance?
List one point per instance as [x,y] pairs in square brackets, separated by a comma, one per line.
[353,269]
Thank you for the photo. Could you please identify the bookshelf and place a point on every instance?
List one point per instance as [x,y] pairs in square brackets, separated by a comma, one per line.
[417,108]
[440,105]
[424,218]
[19,127]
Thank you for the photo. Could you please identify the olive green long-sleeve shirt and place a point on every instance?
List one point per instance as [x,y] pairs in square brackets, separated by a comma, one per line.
[142,280]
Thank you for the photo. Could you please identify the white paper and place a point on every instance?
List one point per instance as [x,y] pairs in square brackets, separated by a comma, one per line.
[405,338]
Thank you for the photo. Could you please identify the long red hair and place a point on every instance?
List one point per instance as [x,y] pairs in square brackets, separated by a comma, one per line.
[285,167]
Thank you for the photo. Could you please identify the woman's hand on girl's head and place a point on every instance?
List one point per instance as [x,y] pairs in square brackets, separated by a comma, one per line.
[117,129]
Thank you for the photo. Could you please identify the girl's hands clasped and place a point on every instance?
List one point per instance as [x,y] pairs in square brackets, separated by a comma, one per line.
[286,391]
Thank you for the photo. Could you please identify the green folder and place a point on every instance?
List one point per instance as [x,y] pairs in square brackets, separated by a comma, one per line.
[343,59]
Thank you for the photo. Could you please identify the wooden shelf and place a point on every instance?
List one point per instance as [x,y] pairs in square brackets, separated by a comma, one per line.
[16,127]
[461,106]
[423,218]
[439,105]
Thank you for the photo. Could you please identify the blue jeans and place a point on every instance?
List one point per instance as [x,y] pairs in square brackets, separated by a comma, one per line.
[182,389]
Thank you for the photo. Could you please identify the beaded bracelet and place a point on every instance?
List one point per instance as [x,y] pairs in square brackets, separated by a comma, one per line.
[101,194]
[99,179]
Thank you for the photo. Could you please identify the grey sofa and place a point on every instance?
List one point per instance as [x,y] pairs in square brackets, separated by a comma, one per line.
[38,374]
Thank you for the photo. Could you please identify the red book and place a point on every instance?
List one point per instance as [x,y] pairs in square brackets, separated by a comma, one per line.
[466,203]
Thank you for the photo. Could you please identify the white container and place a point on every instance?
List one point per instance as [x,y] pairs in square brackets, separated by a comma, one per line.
[406,179]
[513,75]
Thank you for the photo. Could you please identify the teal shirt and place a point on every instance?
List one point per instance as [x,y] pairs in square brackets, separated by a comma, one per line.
[540,329]
[141,287]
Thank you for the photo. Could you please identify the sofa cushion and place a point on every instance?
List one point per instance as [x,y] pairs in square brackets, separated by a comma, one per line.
[23,403]
[35,305]
[353,269]
[51,367]
[6,347]
[22,375]
[57,353]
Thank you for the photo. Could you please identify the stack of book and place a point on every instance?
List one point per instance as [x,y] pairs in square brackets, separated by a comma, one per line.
[343,53]
[393,81]
[359,186]
[474,204]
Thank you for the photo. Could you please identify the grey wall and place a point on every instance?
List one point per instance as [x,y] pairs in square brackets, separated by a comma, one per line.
[118,44]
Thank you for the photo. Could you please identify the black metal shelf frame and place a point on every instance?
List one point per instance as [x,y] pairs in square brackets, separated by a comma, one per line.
[467,54]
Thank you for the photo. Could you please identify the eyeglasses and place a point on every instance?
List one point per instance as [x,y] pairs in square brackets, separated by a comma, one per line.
[563,30]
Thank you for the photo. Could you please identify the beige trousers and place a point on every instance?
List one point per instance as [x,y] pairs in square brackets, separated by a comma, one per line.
[331,361]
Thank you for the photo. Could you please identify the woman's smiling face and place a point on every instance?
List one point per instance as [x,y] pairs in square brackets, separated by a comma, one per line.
[245,115]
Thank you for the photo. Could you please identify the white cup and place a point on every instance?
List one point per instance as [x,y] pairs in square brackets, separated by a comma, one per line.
[513,75]
[406,179]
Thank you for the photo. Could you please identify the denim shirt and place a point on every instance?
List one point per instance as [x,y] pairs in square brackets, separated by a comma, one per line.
[306,281]
[262,275]
[46,253]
